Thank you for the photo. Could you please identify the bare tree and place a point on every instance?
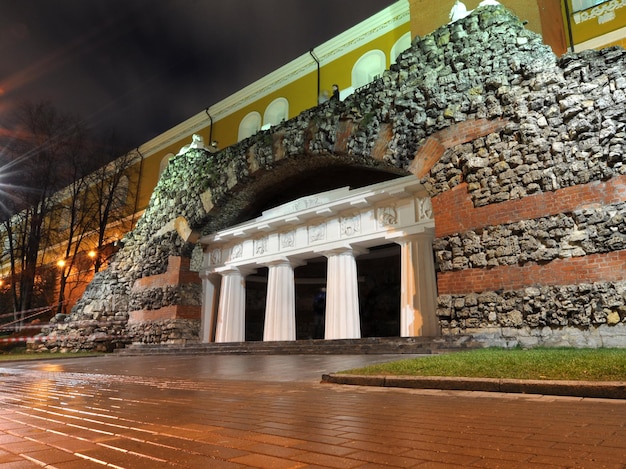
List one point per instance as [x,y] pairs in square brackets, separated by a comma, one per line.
[95,212]
[36,154]
[112,189]
[69,195]
[74,217]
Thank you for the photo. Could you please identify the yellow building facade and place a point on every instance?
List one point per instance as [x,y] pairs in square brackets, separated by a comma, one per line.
[595,24]
[352,59]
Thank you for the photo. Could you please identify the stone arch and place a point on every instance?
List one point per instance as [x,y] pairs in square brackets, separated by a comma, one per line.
[315,190]
[499,149]
[288,181]
[293,178]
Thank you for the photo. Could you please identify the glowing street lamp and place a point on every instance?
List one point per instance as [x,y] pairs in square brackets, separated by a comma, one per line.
[61,263]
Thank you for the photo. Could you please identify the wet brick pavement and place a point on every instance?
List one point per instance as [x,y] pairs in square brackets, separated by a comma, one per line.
[273,412]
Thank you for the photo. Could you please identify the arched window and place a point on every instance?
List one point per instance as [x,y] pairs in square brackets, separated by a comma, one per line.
[249,125]
[370,66]
[164,162]
[400,46]
[276,112]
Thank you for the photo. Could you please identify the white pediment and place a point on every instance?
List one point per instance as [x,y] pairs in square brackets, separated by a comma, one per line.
[304,203]
[303,228]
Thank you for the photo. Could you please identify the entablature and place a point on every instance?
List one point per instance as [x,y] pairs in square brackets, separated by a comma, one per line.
[304,228]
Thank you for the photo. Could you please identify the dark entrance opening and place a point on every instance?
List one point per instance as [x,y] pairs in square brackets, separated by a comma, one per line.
[256,295]
[310,279]
[379,291]
[379,296]
[304,177]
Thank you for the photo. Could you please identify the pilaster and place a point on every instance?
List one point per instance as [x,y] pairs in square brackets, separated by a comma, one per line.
[418,289]
[210,299]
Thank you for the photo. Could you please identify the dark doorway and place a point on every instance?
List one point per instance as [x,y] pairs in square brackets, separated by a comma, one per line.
[379,291]
[379,296]
[256,295]
[310,279]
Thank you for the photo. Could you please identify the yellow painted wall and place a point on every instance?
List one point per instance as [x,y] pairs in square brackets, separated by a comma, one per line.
[428,15]
[542,17]
[597,21]
[301,94]
[340,71]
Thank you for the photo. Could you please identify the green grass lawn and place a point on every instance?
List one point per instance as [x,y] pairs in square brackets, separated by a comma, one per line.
[553,364]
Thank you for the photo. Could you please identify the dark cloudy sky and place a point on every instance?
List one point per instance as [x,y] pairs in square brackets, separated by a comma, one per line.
[143,66]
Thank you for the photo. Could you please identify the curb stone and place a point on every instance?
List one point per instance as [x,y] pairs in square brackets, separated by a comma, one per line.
[594,389]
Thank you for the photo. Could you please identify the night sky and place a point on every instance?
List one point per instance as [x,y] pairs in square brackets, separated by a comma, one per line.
[140,67]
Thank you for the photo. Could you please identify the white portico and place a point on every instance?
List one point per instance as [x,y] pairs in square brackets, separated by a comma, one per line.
[341,225]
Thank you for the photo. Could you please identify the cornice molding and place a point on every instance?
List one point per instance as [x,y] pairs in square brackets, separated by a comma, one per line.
[604,12]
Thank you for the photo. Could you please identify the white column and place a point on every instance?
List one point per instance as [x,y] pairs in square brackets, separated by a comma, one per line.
[342,297]
[418,290]
[280,306]
[231,314]
[210,296]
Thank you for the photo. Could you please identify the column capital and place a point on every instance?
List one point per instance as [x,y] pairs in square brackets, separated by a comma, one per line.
[283,260]
[231,270]
[207,274]
[343,248]
[402,238]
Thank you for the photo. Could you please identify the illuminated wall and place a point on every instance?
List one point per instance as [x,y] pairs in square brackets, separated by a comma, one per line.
[427,15]
[594,24]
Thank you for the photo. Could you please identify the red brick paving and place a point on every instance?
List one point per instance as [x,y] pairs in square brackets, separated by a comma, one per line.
[154,414]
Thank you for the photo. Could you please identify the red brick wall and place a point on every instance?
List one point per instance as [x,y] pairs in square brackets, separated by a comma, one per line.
[608,267]
[177,273]
[454,212]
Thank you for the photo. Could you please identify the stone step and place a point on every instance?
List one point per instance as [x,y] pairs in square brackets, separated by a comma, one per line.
[378,345]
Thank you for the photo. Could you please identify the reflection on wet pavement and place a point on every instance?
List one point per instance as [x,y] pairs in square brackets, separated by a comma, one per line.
[272,412]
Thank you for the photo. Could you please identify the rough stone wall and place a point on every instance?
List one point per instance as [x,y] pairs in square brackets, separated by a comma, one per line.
[521,153]
[531,232]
